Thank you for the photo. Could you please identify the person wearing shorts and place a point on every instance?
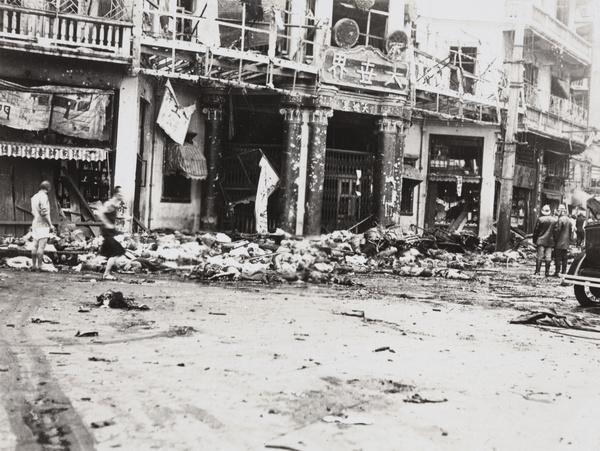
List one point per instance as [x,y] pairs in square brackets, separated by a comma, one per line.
[111,248]
[41,227]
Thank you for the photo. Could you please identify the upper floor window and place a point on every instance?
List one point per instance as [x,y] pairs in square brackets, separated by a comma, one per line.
[466,59]
[531,74]
[562,11]
[372,22]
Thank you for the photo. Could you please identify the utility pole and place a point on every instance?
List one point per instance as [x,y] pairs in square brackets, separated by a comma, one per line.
[509,146]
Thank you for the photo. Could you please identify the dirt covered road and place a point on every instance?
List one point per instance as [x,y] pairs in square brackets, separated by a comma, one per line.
[394,363]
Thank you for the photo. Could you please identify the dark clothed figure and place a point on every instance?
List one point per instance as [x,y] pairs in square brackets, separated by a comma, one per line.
[579,229]
[111,248]
[563,230]
[543,238]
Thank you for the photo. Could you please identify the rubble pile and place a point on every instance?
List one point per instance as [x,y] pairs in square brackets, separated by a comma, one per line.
[275,257]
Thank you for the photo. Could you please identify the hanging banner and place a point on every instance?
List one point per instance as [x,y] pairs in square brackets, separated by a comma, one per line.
[80,115]
[25,110]
[267,183]
[172,117]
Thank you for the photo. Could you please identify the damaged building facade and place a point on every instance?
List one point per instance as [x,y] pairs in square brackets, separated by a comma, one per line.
[365,112]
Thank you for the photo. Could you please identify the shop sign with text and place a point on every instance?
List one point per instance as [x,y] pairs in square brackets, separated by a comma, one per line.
[366,68]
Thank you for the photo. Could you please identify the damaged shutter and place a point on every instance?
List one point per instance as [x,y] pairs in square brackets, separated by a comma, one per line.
[186,159]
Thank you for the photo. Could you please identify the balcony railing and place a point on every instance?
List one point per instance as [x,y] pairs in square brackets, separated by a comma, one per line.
[551,28]
[57,27]
[563,108]
[234,48]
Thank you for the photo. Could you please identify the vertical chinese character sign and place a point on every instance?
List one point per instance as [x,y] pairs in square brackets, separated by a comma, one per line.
[267,183]
[173,118]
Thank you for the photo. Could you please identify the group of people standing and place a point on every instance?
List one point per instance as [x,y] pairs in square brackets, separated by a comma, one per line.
[552,235]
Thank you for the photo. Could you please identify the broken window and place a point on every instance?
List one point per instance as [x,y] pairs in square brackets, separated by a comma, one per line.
[407,201]
[176,188]
[464,58]
[371,22]
[562,11]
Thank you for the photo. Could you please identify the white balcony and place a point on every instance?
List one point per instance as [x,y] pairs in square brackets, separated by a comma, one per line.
[562,109]
[554,31]
[51,31]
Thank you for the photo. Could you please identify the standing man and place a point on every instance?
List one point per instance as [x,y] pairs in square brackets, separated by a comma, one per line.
[563,230]
[543,238]
[41,227]
[111,248]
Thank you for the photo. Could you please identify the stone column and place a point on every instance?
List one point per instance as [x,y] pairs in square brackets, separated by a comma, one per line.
[214,139]
[127,143]
[316,169]
[290,166]
[387,176]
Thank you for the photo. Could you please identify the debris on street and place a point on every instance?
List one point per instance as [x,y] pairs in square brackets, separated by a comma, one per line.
[347,420]
[549,317]
[277,257]
[115,299]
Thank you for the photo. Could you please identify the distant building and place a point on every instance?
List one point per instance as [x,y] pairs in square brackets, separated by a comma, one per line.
[371,112]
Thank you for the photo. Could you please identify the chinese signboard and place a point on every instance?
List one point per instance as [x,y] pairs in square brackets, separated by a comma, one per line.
[365,68]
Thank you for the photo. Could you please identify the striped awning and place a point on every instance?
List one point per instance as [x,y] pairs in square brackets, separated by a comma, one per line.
[52,152]
[187,159]
[454,178]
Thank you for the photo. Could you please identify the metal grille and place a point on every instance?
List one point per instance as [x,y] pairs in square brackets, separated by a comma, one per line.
[347,198]
[238,180]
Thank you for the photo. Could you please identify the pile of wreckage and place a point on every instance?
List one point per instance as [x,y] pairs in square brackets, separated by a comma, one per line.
[276,256]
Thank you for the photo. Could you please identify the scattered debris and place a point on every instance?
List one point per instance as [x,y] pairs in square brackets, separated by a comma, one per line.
[115,299]
[347,420]
[83,309]
[38,320]
[357,313]
[101,424]
[418,399]
[548,317]
[100,359]
[280,257]
[384,348]
[180,331]
[86,334]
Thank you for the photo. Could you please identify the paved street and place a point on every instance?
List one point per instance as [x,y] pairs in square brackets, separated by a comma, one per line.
[432,364]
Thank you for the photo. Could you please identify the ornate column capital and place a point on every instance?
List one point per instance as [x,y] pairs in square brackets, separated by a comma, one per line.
[291,114]
[390,125]
[214,113]
[320,116]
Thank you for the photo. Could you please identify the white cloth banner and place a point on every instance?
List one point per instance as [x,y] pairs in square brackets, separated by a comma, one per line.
[172,117]
[25,110]
[267,183]
[80,115]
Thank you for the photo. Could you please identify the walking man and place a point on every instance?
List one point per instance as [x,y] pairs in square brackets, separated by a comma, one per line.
[543,238]
[111,248]
[41,227]
[563,231]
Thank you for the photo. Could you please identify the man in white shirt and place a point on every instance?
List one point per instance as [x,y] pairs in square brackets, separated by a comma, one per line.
[41,227]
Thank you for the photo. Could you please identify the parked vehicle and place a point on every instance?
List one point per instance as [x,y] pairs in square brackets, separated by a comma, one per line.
[584,272]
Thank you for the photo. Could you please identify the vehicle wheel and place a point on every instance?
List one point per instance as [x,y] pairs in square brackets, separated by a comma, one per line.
[586,297]
[577,264]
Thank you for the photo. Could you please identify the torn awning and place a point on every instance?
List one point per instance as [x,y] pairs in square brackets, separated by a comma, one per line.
[411,173]
[52,152]
[187,159]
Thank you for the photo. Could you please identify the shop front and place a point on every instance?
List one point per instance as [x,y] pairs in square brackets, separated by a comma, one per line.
[454,183]
[57,133]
